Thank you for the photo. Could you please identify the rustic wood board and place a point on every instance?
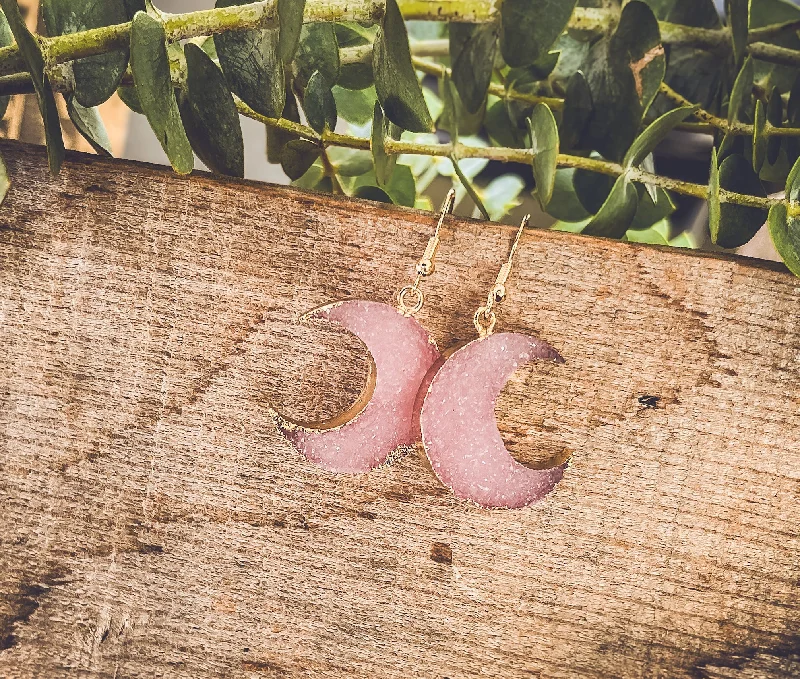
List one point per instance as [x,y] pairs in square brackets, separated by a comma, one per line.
[154,524]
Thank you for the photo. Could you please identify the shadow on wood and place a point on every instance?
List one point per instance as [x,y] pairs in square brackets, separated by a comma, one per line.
[154,523]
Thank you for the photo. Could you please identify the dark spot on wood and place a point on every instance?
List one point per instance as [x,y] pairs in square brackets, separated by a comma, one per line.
[705,379]
[144,548]
[441,552]
[104,636]
[96,188]
[716,354]
[303,523]
[757,658]
[397,495]
[279,523]
[649,401]
[367,515]
[246,649]
[25,602]
[263,666]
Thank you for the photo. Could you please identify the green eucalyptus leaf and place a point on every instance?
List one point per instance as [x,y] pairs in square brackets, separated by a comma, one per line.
[528,28]
[793,185]
[6,39]
[501,129]
[448,120]
[577,110]
[654,134]
[792,144]
[319,51]
[572,54]
[617,212]
[701,13]
[472,51]
[592,188]
[319,104]
[210,117]
[278,138]
[624,73]
[96,77]
[151,76]
[129,97]
[382,128]
[375,193]
[252,65]
[31,52]
[314,179]
[350,162]
[502,195]
[733,225]
[396,83]
[760,139]
[5,181]
[290,17]
[564,204]
[539,70]
[650,211]
[767,13]
[402,186]
[775,119]
[693,72]
[738,13]
[544,142]
[785,233]
[355,106]
[90,125]
[297,156]
[356,75]
[714,204]
[739,103]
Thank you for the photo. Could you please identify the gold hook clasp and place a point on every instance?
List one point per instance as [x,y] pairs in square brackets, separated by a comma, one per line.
[485,318]
[426,265]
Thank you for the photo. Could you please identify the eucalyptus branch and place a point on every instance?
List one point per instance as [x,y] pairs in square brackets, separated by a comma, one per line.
[715,122]
[505,155]
[263,14]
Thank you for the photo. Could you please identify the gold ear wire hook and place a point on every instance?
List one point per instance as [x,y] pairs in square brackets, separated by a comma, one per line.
[427,264]
[485,318]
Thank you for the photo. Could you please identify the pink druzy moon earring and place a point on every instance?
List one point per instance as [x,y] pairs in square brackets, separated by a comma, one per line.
[457,420]
[401,352]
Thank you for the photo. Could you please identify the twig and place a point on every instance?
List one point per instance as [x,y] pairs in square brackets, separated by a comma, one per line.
[262,14]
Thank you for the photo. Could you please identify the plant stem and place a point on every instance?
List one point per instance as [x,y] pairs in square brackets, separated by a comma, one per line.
[263,14]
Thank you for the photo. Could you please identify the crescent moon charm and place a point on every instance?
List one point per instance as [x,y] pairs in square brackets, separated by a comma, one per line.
[380,422]
[459,429]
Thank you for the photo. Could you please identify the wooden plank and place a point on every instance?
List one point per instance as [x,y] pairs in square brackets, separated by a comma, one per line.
[154,524]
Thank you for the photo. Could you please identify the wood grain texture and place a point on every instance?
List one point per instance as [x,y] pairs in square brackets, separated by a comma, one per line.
[154,524]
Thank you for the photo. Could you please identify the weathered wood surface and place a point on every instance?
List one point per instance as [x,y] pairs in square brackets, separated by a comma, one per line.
[154,524]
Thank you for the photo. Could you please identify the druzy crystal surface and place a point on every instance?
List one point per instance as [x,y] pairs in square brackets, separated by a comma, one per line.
[402,352]
[459,429]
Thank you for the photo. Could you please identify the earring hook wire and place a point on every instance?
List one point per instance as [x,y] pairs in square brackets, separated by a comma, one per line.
[485,318]
[427,263]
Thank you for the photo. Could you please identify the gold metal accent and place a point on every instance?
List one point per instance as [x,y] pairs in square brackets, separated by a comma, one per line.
[485,318]
[427,264]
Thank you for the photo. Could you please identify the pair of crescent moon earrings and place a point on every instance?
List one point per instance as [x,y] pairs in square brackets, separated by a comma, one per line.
[415,393]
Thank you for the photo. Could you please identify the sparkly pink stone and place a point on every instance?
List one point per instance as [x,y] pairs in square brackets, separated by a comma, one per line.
[460,432]
[402,352]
